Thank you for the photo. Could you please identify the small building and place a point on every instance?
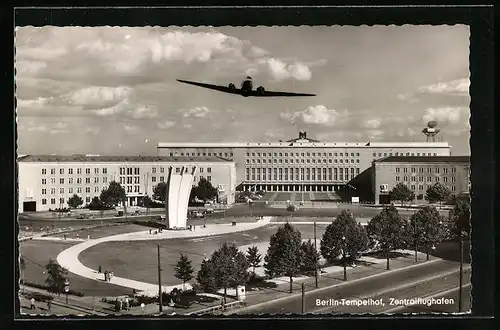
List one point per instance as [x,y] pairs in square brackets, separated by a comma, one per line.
[419,173]
[47,181]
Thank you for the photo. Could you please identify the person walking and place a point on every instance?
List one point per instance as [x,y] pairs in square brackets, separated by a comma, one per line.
[32,303]
[126,304]
[120,305]
[49,304]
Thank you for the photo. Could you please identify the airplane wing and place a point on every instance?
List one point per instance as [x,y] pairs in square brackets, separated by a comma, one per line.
[224,89]
[271,93]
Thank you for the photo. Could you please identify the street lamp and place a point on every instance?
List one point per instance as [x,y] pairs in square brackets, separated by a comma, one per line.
[66,289]
[460,283]
[344,257]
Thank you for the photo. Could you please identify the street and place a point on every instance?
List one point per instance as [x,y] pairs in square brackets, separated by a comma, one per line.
[399,284]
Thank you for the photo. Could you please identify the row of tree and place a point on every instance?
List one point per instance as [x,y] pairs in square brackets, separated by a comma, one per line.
[344,239]
[435,193]
[115,194]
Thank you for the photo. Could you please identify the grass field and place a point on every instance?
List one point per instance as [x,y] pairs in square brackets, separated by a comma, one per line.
[37,255]
[138,260]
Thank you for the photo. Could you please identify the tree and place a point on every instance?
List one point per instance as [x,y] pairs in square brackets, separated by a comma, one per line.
[205,191]
[183,270]
[75,201]
[343,237]
[56,276]
[459,216]
[310,256]
[159,191]
[284,256]
[427,227]
[96,204]
[387,229]
[226,268]
[291,208]
[437,193]
[206,276]
[402,193]
[113,195]
[254,258]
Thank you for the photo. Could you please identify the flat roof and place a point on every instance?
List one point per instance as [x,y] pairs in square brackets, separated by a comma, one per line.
[424,159]
[117,159]
[303,144]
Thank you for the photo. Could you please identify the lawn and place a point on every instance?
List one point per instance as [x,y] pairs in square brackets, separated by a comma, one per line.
[37,255]
[138,260]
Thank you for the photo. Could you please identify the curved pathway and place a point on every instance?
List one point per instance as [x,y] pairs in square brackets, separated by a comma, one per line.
[68,258]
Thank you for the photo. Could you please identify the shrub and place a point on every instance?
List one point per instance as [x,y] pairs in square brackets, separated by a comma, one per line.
[46,287]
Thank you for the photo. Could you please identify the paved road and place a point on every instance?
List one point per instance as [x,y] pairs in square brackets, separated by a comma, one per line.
[357,289]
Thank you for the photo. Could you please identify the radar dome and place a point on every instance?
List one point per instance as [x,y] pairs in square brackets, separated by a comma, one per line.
[432,124]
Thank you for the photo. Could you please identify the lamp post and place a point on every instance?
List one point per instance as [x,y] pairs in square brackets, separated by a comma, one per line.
[460,281]
[66,289]
[343,257]
[160,298]
[416,239]
[316,261]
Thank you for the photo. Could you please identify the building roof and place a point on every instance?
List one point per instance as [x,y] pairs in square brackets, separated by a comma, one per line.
[424,159]
[116,159]
[301,144]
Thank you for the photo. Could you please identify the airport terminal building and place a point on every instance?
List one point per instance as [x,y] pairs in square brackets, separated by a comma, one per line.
[301,164]
[47,181]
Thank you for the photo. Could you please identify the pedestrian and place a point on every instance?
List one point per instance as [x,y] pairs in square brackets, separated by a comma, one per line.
[105,276]
[49,304]
[32,303]
[117,305]
[99,269]
[126,304]
[142,307]
[149,231]
[65,236]
[88,236]
[77,236]
[120,307]
[194,228]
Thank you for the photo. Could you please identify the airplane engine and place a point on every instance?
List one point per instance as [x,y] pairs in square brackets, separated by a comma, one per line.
[232,86]
[260,90]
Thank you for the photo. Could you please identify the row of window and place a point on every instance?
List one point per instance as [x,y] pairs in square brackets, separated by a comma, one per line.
[73,180]
[429,170]
[209,154]
[422,187]
[72,190]
[429,179]
[162,178]
[61,201]
[299,174]
[403,154]
[71,171]
[302,161]
[301,154]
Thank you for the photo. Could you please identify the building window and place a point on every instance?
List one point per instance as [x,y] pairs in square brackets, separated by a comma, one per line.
[78,171]
[136,171]
[209,178]
[413,178]
[96,189]
[87,190]
[52,191]
[96,170]
[87,171]
[61,171]
[44,171]
[79,190]
[53,180]
[413,187]
[162,178]
[453,188]
[53,201]
[429,178]
[397,169]
[70,190]
[420,187]
[96,180]
[405,170]
[153,170]
[453,179]
[78,180]
[44,191]
[162,169]
[397,178]
[87,180]
[44,181]
[405,178]
[104,180]
[44,201]
[413,170]
[52,171]
[445,179]
[104,171]
[87,199]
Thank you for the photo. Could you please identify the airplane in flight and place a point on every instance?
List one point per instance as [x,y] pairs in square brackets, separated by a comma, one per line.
[246,89]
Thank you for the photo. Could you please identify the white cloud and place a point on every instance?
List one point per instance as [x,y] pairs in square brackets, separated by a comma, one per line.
[445,114]
[98,96]
[315,115]
[372,123]
[374,134]
[458,86]
[129,129]
[165,124]
[280,70]
[143,112]
[198,112]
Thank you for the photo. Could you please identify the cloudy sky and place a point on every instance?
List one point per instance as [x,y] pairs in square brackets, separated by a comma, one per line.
[113,90]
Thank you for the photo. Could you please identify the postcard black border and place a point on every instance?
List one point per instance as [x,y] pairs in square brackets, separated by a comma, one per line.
[480,20]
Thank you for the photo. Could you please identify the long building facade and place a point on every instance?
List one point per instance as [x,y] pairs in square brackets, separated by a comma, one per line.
[47,181]
[301,164]
[419,173]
